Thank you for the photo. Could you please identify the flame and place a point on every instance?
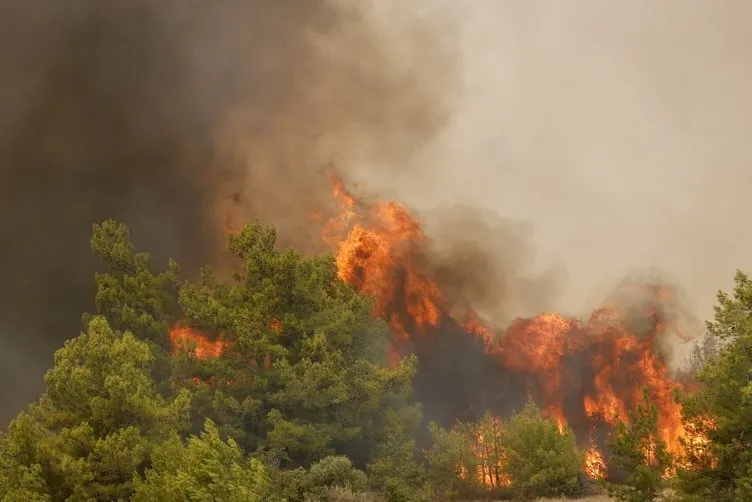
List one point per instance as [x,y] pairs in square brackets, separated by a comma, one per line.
[183,338]
[623,365]
[488,456]
[195,342]
[490,469]
[595,465]
[605,360]
[378,257]
[581,373]
[697,443]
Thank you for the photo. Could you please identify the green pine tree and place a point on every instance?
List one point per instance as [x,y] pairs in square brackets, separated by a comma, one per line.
[95,424]
[721,410]
[202,469]
[641,455]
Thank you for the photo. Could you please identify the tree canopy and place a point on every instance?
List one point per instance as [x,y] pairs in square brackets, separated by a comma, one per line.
[270,382]
[301,377]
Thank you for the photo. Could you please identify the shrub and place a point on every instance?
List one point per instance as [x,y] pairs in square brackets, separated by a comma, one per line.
[335,471]
[329,477]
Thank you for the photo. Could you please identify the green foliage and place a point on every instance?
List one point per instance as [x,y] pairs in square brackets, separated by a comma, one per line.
[204,469]
[323,479]
[394,470]
[722,409]
[299,378]
[638,450]
[129,294]
[334,471]
[21,479]
[451,454]
[94,425]
[525,457]
[540,460]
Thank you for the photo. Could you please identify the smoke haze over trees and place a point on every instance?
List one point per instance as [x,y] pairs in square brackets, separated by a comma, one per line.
[267,381]
[166,116]
[546,152]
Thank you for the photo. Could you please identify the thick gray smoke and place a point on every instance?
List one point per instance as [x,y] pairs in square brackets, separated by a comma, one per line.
[617,130]
[158,113]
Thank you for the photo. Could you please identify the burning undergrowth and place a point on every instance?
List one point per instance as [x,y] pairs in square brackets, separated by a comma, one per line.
[586,374]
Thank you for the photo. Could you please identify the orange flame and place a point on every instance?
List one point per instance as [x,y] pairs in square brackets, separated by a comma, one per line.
[379,249]
[489,456]
[377,246]
[595,466]
[195,342]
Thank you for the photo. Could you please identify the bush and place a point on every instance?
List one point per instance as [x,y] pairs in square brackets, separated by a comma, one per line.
[540,460]
[335,471]
[330,477]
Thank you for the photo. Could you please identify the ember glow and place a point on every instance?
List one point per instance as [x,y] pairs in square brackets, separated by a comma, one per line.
[587,374]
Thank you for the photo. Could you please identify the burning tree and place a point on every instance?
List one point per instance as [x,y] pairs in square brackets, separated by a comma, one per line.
[640,454]
[287,358]
[526,456]
[718,465]
[584,374]
[293,355]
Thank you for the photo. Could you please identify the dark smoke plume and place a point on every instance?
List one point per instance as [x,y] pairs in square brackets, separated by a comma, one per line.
[166,116]
[486,263]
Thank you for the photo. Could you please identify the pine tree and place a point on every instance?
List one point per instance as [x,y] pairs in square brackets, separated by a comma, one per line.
[639,452]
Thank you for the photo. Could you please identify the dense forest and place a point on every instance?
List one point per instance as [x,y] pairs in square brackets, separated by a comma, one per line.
[274,384]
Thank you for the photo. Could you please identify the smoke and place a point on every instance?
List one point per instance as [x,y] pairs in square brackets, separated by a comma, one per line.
[374,89]
[486,263]
[576,136]
[167,116]
[618,133]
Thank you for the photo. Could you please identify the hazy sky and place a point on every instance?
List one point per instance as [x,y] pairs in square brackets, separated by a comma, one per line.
[617,130]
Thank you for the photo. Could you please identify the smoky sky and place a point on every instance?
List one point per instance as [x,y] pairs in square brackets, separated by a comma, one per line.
[617,131]
[168,115]
[569,142]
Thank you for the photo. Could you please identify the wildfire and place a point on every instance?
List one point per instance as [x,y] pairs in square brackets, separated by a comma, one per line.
[378,257]
[584,374]
[580,373]
[490,459]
